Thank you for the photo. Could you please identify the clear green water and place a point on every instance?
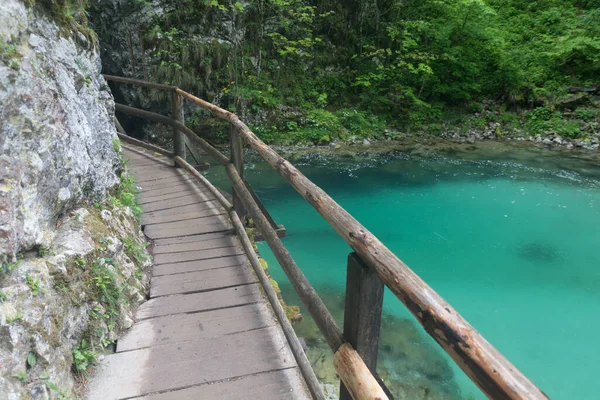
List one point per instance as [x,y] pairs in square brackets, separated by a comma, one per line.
[509,237]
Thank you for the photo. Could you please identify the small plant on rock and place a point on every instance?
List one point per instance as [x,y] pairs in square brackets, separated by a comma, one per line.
[83,358]
[81,262]
[13,318]
[137,252]
[22,376]
[44,251]
[34,284]
[9,267]
[106,288]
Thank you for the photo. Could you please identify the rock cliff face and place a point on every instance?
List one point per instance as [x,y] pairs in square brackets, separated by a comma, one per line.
[56,128]
[71,255]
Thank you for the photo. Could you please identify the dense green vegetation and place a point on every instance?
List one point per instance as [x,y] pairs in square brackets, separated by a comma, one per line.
[316,70]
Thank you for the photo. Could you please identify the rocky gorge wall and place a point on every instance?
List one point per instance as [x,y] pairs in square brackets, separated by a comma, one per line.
[72,255]
[56,124]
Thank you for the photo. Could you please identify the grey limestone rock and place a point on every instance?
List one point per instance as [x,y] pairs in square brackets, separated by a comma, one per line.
[56,128]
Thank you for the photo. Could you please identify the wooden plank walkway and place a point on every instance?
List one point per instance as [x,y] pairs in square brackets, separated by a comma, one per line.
[207,331]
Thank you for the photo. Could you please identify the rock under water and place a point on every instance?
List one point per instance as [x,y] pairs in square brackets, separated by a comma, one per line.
[538,252]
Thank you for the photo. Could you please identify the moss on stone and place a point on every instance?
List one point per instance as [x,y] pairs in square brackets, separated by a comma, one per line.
[292,312]
[263,264]
[69,15]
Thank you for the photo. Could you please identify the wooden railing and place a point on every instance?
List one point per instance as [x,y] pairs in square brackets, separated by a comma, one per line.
[370,267]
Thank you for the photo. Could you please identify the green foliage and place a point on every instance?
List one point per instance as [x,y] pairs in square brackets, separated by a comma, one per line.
[126,196]
[14,318]
[7,267]
[3,296]
[263,264]
[81,262]
[355,68]
[31,359]
[44,251]
[116,145]
[22,376]
[136,251]
[71,15]
[33,283]
[9,53]
[83,358]
[60,394]
[105,288]
[587,113]
[542,120]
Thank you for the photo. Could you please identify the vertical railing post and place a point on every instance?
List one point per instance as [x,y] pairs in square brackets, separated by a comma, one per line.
[237,159]
[177,111]
[362,313]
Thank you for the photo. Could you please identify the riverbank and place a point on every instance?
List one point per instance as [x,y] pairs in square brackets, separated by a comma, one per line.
[531,153]
[394,139]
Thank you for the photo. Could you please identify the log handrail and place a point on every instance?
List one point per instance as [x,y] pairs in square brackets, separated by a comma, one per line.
[484,365]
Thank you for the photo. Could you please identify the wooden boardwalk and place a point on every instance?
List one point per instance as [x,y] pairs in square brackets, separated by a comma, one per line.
[207,331]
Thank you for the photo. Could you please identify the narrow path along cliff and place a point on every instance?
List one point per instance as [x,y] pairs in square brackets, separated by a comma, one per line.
[207,330]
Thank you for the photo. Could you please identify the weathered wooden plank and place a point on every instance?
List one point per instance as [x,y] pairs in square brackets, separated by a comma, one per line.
[187,327]
[150,197]
[173,215]
[136,151]
[285,384]
[198,281]
[181,365]
[192,238]
[164,183]
[142,173]
[199,302]
[218,194]
[198,265]
[195,210]
[167,186]
[159,231]
[172,203]
[194,255]
[148,176]
[144,161]
[224,241]
[149,166]
[139,157]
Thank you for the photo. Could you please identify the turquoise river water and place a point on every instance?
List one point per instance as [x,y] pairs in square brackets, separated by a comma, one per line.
[509,236]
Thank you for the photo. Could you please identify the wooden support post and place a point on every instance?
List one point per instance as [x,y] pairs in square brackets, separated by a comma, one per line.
[178,142]
[362,313]
[237,159]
